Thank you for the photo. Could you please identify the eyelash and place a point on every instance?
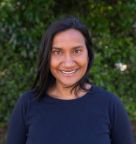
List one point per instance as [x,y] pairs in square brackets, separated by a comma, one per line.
[77,51]
[58,52]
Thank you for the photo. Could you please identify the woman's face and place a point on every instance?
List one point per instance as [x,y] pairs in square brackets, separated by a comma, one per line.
[69,57]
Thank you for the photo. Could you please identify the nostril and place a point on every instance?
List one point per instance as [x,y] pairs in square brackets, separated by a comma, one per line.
[68,64]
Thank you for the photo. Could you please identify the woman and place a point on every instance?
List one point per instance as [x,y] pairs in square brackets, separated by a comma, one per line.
[63,107]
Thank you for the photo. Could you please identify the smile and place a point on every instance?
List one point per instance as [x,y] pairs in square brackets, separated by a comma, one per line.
[69,72]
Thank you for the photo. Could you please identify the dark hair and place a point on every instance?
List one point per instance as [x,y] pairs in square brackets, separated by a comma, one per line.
[44,78]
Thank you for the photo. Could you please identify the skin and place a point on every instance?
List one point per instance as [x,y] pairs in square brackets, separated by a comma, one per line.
[69,61]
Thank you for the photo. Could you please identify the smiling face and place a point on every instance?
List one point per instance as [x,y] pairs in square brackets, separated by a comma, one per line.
[69,57]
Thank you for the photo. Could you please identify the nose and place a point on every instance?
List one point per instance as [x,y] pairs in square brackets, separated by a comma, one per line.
[68,62]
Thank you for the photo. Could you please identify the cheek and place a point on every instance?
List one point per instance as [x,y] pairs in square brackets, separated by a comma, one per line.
[54,67]
[54,64]
[84,59]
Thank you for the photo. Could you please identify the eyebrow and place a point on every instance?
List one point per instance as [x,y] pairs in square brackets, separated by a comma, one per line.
[58,48]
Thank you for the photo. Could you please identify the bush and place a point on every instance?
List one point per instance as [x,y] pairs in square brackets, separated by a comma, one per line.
[111,24]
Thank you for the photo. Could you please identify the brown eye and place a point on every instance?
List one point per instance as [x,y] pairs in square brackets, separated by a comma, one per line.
[77,51]
[56,52]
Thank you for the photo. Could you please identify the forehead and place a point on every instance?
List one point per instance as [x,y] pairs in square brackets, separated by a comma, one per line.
[70,36]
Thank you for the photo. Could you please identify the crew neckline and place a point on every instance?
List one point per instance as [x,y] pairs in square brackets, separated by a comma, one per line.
[58,100]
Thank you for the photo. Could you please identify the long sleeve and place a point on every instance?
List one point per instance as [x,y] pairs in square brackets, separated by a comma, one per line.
[121,131]
[17,128]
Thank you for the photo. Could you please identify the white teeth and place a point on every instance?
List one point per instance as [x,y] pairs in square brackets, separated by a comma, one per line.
[70,72]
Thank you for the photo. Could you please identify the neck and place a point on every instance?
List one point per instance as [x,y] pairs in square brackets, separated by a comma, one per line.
[60,92]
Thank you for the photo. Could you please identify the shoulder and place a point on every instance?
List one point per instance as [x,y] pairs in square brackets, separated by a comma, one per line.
[106,97]
[23,105]
[25,99]
[110,103]
[27,96]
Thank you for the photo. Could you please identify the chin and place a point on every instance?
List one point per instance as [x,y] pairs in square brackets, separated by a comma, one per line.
[68,84]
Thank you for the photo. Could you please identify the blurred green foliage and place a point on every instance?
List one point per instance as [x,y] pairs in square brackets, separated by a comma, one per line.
[111,23]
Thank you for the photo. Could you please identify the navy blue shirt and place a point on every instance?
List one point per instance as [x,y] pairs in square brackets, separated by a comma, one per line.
[98,117]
